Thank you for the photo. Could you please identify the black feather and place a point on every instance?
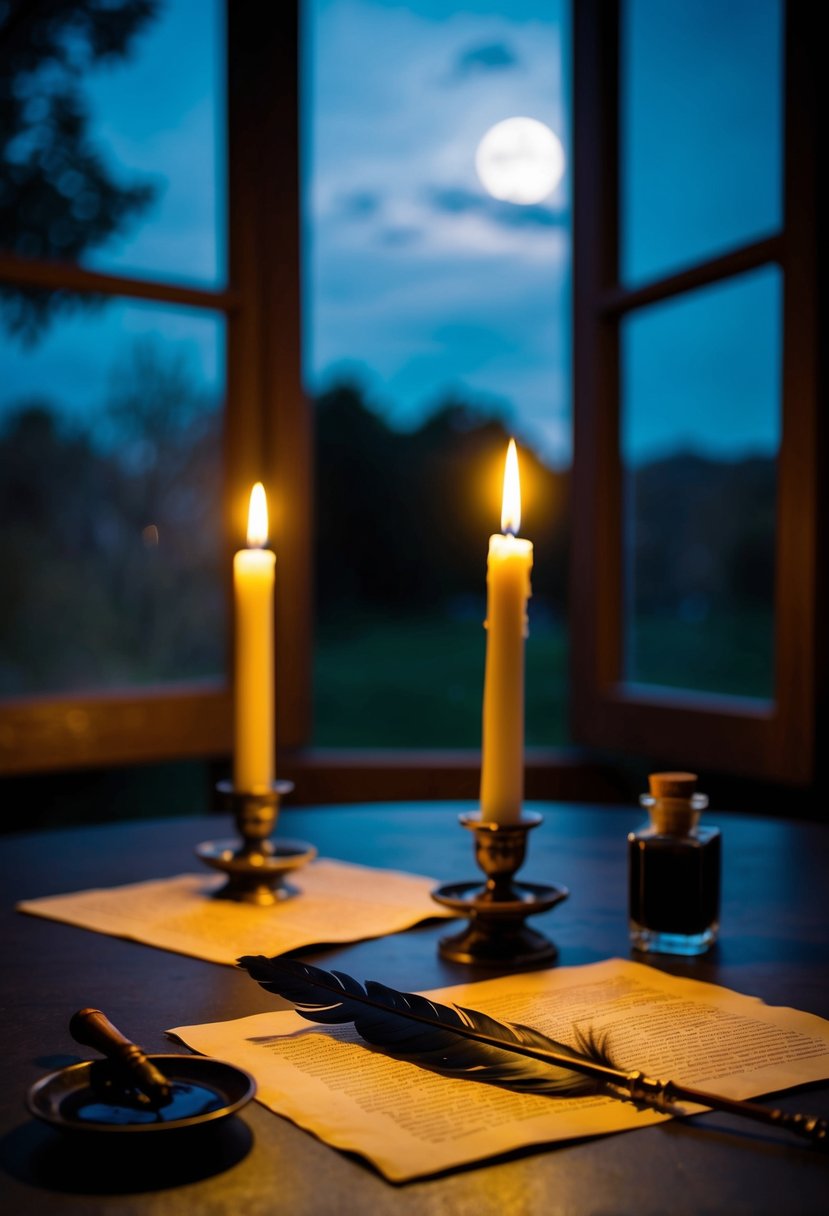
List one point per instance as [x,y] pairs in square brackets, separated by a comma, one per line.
[448,1039]
[460,1042]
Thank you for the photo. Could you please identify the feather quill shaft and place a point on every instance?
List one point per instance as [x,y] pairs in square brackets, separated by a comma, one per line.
[460,1042]
[451,1040]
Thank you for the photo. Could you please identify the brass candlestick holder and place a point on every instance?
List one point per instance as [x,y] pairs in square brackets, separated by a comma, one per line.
[256,867]
[496,935]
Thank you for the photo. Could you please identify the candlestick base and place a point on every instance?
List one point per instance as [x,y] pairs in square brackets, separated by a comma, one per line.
[257,866]
[496,935]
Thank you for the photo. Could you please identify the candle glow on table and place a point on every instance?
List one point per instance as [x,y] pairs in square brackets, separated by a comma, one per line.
[253,583]
[508,589]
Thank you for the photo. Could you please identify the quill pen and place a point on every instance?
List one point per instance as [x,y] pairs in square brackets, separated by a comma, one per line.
[459,1042]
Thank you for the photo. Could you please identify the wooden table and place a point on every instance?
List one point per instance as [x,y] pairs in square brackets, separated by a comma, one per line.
[775,944]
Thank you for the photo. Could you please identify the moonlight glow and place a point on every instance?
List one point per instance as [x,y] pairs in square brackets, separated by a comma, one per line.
[520,160]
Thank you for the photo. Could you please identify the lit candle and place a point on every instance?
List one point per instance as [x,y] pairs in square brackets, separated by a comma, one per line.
[253,582]
[508,588]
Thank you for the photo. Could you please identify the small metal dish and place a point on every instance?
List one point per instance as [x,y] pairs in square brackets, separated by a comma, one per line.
[84,1097]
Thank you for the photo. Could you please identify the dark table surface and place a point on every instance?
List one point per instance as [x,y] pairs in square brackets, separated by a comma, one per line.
[774,944]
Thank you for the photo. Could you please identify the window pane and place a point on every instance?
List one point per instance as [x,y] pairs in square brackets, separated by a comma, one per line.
[112,137]
[438,324]
[110,501]
[701,130]
[700,437]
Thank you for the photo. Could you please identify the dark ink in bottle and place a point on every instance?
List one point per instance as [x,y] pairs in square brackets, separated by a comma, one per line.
[674,870]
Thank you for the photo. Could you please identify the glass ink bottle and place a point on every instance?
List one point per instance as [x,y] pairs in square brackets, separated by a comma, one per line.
[674,870]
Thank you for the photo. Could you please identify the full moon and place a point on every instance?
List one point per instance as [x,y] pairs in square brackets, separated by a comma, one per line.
[520,160]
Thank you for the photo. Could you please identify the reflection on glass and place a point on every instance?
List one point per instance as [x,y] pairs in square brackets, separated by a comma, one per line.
[700,436]
[701,130]
[110,492]
[111,137]
[437,325]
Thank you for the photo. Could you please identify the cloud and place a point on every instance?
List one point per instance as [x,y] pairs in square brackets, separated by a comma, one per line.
[454,200]
[485,326]
[485,57]
[420,281]
[359,204]
[398,235]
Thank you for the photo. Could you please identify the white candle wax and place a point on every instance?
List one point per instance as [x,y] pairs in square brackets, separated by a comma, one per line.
[508,588]
[254,764]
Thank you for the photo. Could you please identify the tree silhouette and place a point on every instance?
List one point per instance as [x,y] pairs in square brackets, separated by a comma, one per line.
[58,197]
[111,536]
[403,517]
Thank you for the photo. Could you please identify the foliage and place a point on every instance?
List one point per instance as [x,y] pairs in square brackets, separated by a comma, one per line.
[58,196]
[700,531]
[403,517]
[110,543]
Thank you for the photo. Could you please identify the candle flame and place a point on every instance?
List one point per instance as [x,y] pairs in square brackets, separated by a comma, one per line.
[257,517]
[511,501]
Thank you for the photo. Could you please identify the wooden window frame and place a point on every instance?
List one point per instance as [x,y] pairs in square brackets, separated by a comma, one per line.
[775,741]
[267,430]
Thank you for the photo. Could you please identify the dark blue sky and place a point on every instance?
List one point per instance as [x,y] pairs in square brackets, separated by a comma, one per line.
[419,283]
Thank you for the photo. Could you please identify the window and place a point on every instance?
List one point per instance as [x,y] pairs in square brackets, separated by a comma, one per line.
[437,310]
[135,379]
[707,290]
[695,385]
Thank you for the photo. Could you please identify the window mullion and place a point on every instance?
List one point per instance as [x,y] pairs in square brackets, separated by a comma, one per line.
[619,300]
[68,276]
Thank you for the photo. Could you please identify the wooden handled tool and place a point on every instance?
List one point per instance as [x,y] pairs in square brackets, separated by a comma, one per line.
[94,1029]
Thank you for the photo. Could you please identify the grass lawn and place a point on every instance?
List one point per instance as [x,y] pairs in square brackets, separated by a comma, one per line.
[418,682]
[729,653]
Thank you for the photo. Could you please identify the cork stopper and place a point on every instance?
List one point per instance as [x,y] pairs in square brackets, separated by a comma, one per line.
[673,804]
[672,785]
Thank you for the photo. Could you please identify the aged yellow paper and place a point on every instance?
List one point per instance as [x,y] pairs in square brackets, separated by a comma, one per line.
[410,1122]
[341,902]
